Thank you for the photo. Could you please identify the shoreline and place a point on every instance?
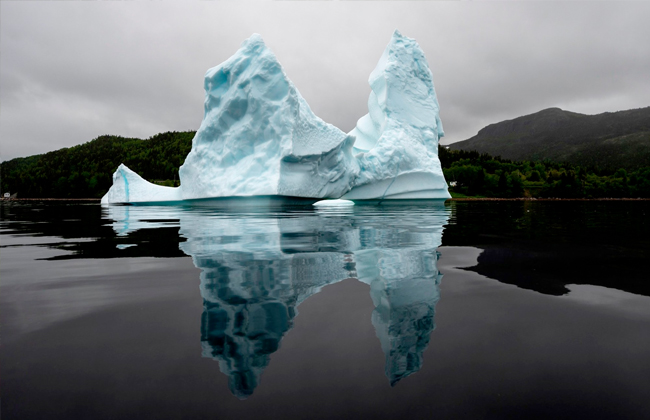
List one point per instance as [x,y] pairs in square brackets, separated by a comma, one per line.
[544,199]
[91,200]
[4,200]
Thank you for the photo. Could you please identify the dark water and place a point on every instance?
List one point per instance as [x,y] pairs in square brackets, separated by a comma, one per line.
[465,310]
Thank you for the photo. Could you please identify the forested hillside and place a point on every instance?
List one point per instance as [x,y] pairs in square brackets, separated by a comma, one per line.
[86,171]
[475,174]
[609,140]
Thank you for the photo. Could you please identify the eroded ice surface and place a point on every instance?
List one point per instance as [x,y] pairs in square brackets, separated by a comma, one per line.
[397,140]
[260,138]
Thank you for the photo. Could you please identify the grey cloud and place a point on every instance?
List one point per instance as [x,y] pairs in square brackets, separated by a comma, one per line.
[70,71]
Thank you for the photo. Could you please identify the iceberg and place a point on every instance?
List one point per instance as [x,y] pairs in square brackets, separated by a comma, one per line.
[259,137]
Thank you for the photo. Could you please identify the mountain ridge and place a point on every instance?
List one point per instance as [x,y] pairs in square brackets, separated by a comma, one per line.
[618,139]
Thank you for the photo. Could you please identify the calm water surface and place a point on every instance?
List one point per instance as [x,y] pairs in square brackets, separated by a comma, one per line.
[464,310]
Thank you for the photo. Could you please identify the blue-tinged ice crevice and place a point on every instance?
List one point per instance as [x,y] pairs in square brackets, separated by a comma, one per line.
[259,136]
[129,187]
[397,141]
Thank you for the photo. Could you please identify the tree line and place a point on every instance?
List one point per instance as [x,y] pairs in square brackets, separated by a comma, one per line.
[85,171]
[471,173]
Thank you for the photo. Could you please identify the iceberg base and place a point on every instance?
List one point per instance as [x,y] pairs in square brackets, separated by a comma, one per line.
[409,186]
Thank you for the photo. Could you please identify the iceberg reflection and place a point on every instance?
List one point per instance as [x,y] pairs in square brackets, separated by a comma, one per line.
[258,267]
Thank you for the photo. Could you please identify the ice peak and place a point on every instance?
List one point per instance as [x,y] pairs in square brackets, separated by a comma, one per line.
[255,37]
[253,43]
[405,50]
[259,136]
[397,35]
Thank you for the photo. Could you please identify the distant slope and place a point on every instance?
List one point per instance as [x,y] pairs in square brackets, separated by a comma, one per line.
[86,171]
[610,140]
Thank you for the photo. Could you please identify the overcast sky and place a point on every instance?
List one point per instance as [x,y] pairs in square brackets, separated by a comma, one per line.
[71,71]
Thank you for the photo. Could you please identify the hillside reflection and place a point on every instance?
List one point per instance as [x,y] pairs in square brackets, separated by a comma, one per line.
[257,268]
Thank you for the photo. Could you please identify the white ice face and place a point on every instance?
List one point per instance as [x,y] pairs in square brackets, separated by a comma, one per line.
[260,138]
[397,141]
